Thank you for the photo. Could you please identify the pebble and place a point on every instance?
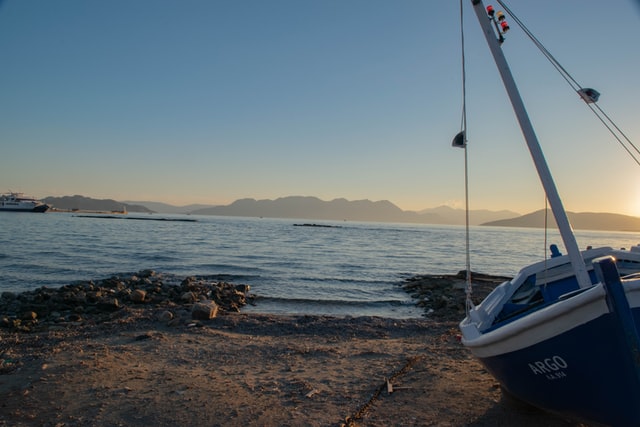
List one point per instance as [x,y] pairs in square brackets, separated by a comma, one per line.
[138,295]
[204,310]
[166,316]
[29,315]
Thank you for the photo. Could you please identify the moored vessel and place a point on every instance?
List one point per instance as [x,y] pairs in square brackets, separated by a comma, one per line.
[563,334]
[18,202]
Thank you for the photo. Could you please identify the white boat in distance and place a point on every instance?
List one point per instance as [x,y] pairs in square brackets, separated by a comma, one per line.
[18,202]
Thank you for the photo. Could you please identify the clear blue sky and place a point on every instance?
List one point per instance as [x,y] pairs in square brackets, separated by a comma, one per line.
[208,101]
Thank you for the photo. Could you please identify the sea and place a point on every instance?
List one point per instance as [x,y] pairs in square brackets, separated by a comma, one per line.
[337,268]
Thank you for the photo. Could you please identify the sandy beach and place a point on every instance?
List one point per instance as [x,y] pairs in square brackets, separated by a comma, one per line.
[135,368]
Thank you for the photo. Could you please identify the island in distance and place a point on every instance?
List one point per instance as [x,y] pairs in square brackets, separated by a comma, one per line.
[313,208]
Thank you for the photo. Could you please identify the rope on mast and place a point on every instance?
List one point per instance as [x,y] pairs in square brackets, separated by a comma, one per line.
[461,141]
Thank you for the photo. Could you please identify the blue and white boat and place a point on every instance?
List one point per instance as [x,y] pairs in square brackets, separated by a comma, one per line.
[562,347]
[562,335]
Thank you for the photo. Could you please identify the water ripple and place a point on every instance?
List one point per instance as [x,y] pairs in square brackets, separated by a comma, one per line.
[354,269]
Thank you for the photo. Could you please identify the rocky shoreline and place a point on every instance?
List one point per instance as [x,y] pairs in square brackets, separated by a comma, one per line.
[180,301]
[170,299]
[173,300]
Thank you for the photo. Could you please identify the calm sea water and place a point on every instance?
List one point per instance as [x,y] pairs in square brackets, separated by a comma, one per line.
[351,269]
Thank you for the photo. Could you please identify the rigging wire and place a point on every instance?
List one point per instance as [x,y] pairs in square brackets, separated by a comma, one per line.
[463,132]
[602,116]
[546,236]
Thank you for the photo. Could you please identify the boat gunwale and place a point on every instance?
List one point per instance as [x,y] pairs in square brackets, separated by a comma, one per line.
[563,315]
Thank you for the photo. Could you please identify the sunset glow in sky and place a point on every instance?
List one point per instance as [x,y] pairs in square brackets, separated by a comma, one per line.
[209,101]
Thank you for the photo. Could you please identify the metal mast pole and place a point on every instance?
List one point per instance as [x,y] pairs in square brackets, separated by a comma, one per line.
[534,147]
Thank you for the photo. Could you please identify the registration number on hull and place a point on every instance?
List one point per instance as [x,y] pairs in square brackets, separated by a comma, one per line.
[551,367]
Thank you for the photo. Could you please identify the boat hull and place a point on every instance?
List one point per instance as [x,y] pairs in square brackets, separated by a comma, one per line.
[578,368]
[39,209]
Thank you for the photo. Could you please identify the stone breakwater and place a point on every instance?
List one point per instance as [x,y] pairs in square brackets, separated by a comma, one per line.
[192,299]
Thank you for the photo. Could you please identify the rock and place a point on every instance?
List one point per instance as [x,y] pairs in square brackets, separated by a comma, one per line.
[188,297]
[8,295]
[109,304]
[138,295]
[147,273]
[143,337]
[204,310]
[243,288]
[187,282]
[74,318]
[29,315]
[166,316]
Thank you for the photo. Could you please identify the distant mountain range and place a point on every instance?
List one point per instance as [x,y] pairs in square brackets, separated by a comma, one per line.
[579,221]
[82,203]
[312,208]
[159,207]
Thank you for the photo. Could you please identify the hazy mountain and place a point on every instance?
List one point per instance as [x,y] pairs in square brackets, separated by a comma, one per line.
[342,209]
[579,221]
[170,209]
[450,215]
[89,204]
[313,208]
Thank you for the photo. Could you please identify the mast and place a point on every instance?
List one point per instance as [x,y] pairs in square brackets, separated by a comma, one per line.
[544,173]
